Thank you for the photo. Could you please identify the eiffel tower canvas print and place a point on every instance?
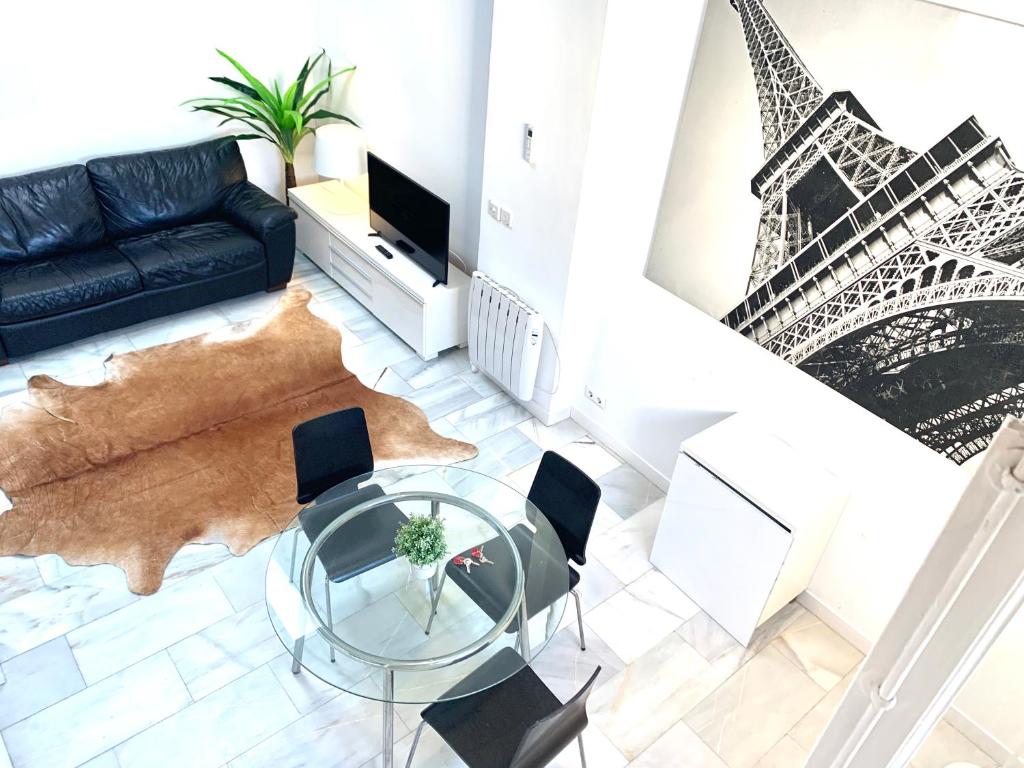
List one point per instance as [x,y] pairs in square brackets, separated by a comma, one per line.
[880,251]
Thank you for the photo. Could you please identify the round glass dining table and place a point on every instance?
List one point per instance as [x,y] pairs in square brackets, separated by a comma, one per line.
[359,618]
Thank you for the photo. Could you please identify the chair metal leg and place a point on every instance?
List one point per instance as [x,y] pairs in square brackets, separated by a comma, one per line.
[295,547]
[415,743]
[579,621]
[327,598]
[524,630]
[389,718]
[583,755]
[297,655]
[436,599]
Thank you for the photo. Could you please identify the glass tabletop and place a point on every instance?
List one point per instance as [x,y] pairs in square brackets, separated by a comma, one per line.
[378,615]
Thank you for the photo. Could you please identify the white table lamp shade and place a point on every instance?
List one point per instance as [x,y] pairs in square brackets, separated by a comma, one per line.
[340,151]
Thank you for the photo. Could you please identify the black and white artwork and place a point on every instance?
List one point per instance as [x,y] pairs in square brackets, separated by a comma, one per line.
[843,192]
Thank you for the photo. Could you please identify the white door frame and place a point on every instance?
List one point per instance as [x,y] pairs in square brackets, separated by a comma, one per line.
[970,586]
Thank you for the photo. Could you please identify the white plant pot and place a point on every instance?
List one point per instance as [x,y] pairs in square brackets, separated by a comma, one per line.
[423,572]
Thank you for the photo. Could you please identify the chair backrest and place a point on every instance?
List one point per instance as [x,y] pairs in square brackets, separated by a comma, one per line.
[568,498]
[546,738]
[329,450]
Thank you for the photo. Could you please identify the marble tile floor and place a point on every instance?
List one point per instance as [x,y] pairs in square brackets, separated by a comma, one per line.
[194,675]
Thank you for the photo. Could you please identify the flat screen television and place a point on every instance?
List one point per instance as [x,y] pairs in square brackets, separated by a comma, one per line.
[410,217]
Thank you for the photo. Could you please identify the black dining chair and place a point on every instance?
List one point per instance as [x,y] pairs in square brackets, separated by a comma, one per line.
[330,450]
[518,723]
[568,499]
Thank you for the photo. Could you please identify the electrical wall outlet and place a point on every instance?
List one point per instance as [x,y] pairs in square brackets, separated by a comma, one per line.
[492,209]
[593,397]
[505,217]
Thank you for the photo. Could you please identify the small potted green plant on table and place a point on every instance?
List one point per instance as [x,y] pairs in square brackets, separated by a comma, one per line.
[421,541]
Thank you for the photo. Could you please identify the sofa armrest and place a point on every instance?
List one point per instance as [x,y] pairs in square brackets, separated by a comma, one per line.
[252,209]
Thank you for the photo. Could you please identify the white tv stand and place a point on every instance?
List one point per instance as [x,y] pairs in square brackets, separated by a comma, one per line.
[333,230]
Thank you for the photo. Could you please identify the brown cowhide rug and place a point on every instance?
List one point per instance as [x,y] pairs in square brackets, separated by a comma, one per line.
[187,442]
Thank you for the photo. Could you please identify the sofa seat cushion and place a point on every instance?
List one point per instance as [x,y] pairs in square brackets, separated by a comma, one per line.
[191,253]
[31,290]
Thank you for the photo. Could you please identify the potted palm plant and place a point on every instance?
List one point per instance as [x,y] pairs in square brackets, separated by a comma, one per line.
[282,117]
[422,542]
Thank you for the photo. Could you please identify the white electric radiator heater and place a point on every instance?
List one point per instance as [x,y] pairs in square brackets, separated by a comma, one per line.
[505,336]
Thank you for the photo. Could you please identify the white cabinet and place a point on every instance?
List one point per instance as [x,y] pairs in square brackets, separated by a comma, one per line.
[333,230]
[746,521]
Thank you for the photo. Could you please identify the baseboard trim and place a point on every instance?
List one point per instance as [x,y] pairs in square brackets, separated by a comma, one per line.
[543,414]
[831,618]
[624,452]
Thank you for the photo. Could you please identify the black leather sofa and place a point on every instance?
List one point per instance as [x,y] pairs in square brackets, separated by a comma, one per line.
[90,248]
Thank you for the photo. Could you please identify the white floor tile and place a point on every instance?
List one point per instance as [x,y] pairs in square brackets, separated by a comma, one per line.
[626,491]
[565,668]
[481,382]
[421,373]
[556,436]
[305,691]
[630,626]
[36,679]
[655,589]
[743,719]
[806,732]
[125,636]
[92,721]
[51,611]
[70,359]
[347,730]
[18,576]
[225,651]
[679,746]
[444,397]
[12,378]
[785,754]
[625,549]
[106,760]
[215,729]
[649,696]
[243,579]
[590,457]
[817,650]
[488,417]
[376,354]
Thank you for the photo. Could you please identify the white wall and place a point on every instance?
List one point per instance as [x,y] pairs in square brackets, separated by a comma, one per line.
[83,79]
[544,59]
[420,92]
[668,370]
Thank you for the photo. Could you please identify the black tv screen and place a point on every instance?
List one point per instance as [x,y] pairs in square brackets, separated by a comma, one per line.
[410,217]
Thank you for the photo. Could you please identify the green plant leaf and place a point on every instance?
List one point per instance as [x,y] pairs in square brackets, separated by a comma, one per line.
[322,114]
[262,91]
[300,81]
[240,87]
[323,86]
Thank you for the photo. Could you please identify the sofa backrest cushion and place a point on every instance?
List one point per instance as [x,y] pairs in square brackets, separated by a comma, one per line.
[10,246]
[51,212]
[147,191]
